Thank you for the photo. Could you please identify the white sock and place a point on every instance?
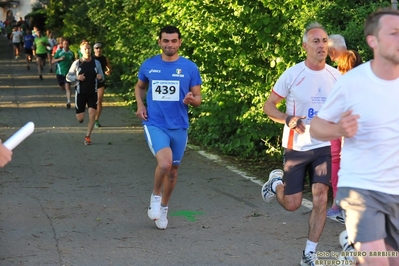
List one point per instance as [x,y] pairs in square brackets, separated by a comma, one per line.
[310,246]
[275,184]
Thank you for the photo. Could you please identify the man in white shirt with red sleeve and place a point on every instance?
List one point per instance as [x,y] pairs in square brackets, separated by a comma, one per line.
[305,88]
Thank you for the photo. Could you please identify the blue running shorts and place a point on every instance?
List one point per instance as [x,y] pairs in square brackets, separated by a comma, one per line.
[160,138]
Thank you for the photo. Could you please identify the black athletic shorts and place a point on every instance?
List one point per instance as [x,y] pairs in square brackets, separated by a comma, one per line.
[81,100]
[42,56]
[28,51]
[61,80]
[300,164]
[101,85]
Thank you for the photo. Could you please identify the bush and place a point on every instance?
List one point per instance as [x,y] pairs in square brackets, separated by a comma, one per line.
[240,46]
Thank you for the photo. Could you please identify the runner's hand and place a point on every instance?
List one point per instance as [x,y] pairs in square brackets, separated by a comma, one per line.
[295,123]
[81,77]
[141,112]
[189,98]
[348,124]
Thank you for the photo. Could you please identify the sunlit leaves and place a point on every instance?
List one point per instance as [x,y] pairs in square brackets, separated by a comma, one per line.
[240,46]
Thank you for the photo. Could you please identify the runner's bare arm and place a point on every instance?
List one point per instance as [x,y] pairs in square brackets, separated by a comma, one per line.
[325,130]
[193,97]
[271,110]
[292,121]
[108,68]
[140,91]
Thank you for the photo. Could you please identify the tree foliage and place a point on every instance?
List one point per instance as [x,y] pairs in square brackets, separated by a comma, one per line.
[240,46]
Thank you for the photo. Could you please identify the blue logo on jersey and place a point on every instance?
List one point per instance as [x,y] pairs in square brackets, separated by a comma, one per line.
[312,112]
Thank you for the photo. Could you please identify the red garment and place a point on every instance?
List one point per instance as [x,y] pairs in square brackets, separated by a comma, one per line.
[55,49]
[335,161]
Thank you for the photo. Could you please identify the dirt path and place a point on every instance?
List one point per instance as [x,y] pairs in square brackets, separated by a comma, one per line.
[64,203]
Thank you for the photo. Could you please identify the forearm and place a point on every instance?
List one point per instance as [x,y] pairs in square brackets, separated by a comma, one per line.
[323,130]
[55,60]
[140,95]
[275,114]
[197,101]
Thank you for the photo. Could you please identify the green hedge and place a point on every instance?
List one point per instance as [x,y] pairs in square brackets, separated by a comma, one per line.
[241,48]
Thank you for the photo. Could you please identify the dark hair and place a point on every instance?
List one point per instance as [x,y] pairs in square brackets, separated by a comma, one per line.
[169,29]
[372,23]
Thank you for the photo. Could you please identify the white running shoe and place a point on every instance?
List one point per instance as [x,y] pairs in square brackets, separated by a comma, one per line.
[154,211]
[309,259]
[267,192]
[162,222]
[348,254]
[348,250]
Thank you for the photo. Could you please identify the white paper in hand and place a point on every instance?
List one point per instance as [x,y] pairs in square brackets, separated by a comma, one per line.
[19,136]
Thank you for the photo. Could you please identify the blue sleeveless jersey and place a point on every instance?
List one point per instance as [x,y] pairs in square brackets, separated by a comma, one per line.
[168,83]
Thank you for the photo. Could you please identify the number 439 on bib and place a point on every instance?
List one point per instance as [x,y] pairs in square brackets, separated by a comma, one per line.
[165,90]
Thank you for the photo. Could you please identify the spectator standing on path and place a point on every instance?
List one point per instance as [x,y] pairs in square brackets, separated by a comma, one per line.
[347,61]
[40,51]
[28,44]
[368,184]
[63,59]
[106,67]
[169,83]
[87,72]
[305,87]
[336,47]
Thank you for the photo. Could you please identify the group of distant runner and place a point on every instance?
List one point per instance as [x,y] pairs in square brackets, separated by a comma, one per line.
[85,70]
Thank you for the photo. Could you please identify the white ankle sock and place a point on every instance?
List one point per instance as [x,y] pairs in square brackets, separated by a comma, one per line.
[275,184]
[310,246]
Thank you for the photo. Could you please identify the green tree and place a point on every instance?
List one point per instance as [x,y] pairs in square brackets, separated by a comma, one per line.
[240,46]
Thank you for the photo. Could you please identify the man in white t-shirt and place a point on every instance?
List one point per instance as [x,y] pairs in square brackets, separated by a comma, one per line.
[363,109]
[305,88]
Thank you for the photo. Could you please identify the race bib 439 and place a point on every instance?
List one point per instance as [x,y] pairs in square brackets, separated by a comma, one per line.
[165,90]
